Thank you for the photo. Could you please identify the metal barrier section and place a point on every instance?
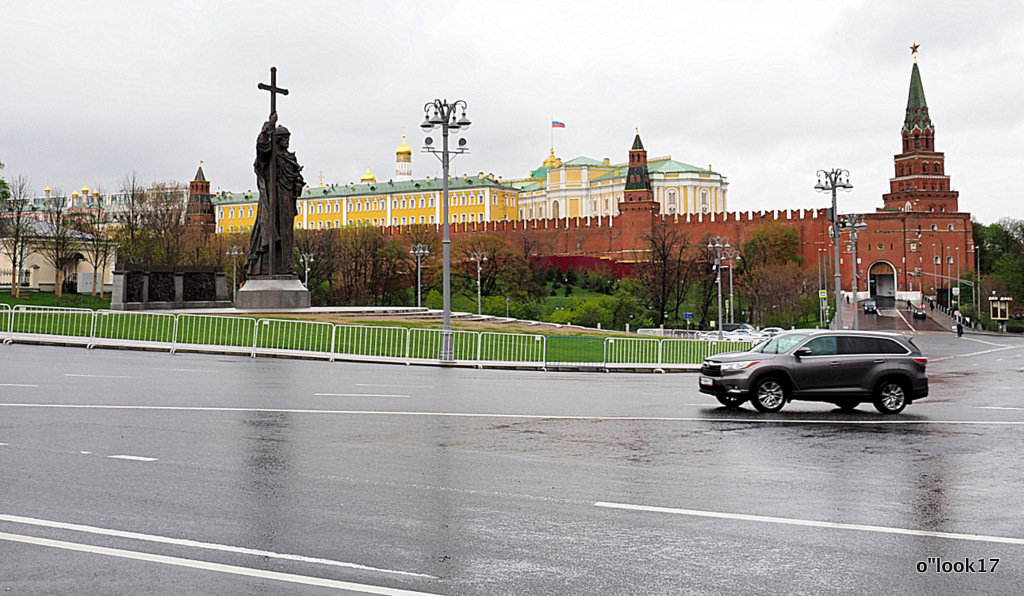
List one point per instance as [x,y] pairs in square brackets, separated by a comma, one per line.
[624,350]
[717,347]
[384,342]
[6,315]
[511,347]
[75,324]
[425,344]
[293,336]
[207,331]
[115,327]
[683,351]
[575,351]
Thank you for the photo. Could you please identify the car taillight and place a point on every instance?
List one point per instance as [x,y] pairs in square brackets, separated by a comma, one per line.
[921,361]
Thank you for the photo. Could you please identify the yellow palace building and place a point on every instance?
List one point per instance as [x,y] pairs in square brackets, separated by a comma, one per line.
[400,201]
[585,187]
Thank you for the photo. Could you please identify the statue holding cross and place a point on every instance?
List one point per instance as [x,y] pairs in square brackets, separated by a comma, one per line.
[279,179]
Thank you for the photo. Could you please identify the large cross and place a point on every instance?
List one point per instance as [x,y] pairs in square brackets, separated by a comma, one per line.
[273,88]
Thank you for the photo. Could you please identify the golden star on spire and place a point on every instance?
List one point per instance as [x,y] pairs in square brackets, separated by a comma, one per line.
[913,50]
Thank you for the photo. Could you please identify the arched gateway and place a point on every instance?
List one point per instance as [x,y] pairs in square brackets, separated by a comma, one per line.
[882,284]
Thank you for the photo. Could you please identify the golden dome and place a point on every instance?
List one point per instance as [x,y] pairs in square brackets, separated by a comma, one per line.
[75,194]
[95,192]
[552,162]
[368,176]
[47,190]
[403,149]
[85,190]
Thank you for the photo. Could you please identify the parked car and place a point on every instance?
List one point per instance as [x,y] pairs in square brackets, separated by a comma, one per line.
[771,331]
[842,367]
[919,313]
[870,307]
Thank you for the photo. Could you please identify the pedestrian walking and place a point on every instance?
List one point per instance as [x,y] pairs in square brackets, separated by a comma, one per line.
[959,329]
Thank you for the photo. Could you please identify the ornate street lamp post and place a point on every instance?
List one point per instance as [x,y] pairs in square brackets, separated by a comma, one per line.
[732,254]
[479,258]
[441,113]
[420,251]
[718,249]
[306,258]
[830,181]
[853,222]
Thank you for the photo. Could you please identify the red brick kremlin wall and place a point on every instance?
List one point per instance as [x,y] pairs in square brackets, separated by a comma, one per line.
[903,239]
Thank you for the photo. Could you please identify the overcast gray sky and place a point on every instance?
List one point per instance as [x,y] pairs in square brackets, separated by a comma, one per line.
[766,92]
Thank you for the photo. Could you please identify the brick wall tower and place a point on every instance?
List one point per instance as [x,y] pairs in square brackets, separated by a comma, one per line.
[920,182]
[199,211]
[638,196]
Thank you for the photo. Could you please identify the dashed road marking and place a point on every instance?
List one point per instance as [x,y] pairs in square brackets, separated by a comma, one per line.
[358,395]
[812,523]
[209,566]
[16,385]
[132,457]
[85,376]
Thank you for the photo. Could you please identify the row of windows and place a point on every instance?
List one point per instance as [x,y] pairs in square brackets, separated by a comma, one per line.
[935,168]
[319,207]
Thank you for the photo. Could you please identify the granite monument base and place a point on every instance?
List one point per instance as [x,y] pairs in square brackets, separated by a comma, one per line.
[272,293]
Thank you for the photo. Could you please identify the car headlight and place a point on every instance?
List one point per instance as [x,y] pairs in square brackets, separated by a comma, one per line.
[738,365]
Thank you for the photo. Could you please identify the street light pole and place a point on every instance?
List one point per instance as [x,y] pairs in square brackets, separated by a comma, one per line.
[715,245]
[853,222]
[479,258]
[234,253]
[420,251]
[307,258]
[832,180]
[441,113]
[732,255]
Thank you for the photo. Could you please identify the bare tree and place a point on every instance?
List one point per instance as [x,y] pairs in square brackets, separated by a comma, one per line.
[94,224]
[57,239]
[129,215]
[162,223]
[667,268]
[15,227]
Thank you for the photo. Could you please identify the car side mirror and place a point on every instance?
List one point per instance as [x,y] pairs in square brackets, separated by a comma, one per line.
[803,352]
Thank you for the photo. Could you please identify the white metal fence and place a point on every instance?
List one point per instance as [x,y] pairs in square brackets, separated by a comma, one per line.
[205,333]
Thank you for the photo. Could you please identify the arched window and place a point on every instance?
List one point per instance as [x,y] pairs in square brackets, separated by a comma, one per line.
[705,201]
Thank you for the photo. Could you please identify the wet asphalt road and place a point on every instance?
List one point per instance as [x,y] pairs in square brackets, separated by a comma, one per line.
[205,474]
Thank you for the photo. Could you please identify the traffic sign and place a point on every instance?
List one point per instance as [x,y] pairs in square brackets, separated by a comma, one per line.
[822,293]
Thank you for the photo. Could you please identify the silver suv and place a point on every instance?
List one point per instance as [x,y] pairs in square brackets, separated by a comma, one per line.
[845,368]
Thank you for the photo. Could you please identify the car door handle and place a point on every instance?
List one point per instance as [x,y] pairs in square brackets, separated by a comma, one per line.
[879,361]
[834,363]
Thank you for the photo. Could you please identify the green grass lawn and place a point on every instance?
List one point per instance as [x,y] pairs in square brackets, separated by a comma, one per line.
[50,299]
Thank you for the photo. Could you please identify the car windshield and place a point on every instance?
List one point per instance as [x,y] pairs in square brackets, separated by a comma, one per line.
[780,344]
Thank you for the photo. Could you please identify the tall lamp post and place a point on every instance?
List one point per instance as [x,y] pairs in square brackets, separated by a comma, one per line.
[420,251]
[479,258]
[732,254]
[234,253]
[441,113]
[830,181]
[853,222]
[307,258]
[718,249]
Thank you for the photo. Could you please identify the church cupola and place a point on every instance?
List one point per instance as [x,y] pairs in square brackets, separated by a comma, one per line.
[403,161]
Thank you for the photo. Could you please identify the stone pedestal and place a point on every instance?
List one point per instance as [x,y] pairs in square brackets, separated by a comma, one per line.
[272,293]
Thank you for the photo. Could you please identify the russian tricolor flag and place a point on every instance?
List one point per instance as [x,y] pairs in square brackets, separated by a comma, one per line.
[557,124]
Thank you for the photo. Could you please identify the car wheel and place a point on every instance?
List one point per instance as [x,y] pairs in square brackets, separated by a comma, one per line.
[890,396]
[730,401]
[847,406]
[769,395]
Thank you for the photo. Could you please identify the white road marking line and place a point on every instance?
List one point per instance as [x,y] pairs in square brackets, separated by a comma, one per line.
[16,385]
[86,452]
[981,341]
[997,408]
[132,457]
[97,376]
[3,444]
[388,385]
[807,522]
[31,521]
[358,395]
[208,566]
[931,360]
[765,420]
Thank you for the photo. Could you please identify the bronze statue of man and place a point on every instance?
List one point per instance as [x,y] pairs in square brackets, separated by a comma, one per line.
[279,179]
